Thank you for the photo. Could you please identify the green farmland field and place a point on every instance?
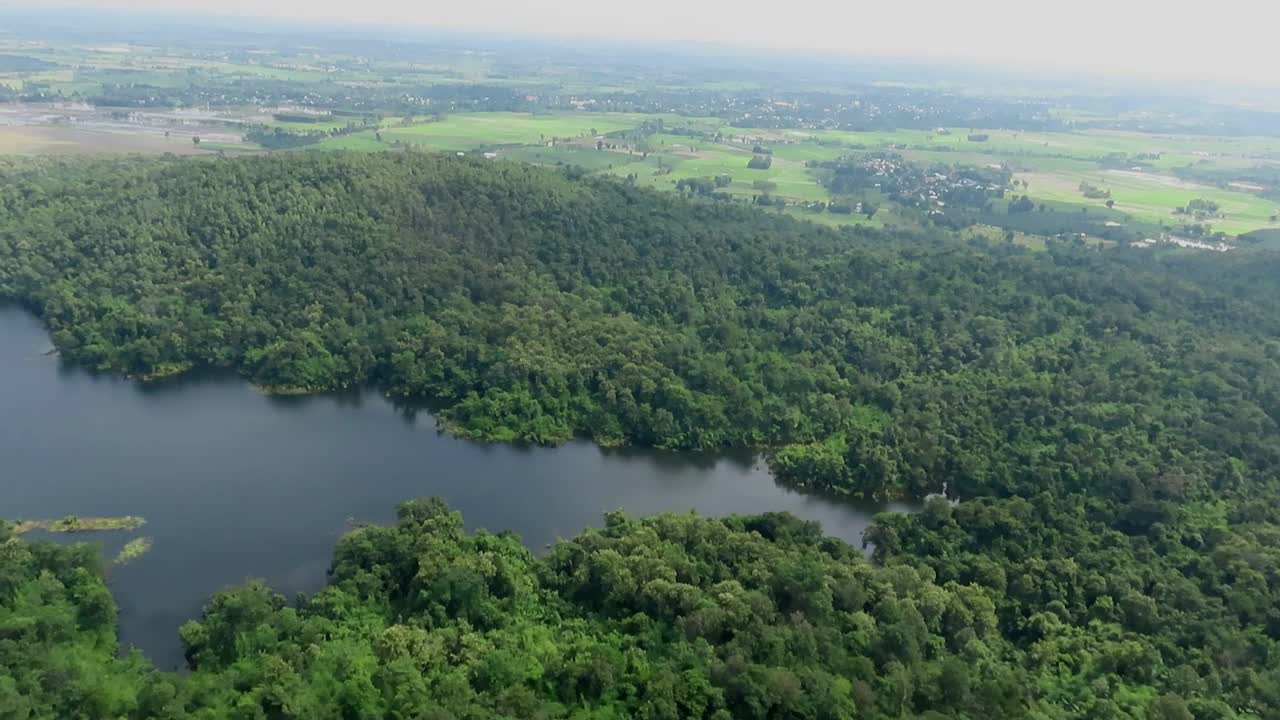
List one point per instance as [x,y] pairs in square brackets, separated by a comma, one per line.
[476,130]
[1152,197]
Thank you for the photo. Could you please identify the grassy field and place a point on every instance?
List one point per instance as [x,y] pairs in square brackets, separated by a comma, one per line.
[1152,197]
[792,180]
[1091,144]
[28,140]
[56,140]
[585,157]
[995,234]
[362,142]
[470,131]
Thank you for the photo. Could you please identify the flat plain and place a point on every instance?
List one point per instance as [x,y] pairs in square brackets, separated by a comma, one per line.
[1148,174]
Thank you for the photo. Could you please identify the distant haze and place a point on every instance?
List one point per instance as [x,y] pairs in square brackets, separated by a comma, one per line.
[1226,41]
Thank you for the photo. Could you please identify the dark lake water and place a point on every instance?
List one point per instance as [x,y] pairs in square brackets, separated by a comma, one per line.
[237,485]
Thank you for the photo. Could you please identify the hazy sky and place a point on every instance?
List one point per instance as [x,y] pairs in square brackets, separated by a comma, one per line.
[1228,40]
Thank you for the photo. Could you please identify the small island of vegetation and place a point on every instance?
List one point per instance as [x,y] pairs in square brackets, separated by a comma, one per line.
[132,550]
[77,524]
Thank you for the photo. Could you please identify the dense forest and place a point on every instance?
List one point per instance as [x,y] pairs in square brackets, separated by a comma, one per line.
[667,617]
[681,617]
[533,305]
[1106,420]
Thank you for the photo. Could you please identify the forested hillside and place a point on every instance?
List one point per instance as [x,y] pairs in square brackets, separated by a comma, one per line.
[531,305]
[1107,421]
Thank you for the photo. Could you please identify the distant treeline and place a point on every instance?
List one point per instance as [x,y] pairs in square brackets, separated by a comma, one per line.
[23,63]
[277,138]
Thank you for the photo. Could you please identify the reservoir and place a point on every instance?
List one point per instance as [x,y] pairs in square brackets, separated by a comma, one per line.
[237,485]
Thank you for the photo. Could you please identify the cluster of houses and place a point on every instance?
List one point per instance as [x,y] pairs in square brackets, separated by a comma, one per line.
[932,190]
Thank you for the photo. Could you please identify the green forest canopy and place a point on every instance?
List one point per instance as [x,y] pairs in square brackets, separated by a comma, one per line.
[533,305]
[1108,420]
[673,616]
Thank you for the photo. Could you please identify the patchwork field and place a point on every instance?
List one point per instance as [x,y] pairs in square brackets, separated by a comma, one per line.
[1173,150]
[1152,197]
[476,130]
[124,97]
[660,150]
[1052,165]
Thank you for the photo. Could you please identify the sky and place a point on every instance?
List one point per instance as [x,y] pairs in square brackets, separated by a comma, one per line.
[1222,41]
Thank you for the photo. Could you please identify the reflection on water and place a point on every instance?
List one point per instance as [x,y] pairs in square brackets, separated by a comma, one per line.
[235,484]
[670,459]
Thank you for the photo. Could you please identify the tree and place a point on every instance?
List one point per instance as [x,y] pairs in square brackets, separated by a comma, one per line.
[1169,707]
[1021,204]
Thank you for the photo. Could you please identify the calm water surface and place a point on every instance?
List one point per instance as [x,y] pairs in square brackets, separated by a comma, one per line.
[237,485]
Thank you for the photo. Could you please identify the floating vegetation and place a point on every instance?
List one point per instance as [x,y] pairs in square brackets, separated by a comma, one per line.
[75,523]
[132,550]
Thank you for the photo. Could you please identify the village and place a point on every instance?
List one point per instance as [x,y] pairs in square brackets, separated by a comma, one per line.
[933,189]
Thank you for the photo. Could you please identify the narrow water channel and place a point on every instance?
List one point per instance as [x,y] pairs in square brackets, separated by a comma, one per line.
[237,485]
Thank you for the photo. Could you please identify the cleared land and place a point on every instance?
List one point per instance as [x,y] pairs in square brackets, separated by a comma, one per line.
[45,140]
[1153,197]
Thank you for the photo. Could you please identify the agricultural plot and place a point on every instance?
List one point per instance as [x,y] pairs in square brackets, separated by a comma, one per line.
[365,141]
[470,131]
[1087,145]
[20,140]
[50,140]
[673,158]
[585,157]
[1152,198]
